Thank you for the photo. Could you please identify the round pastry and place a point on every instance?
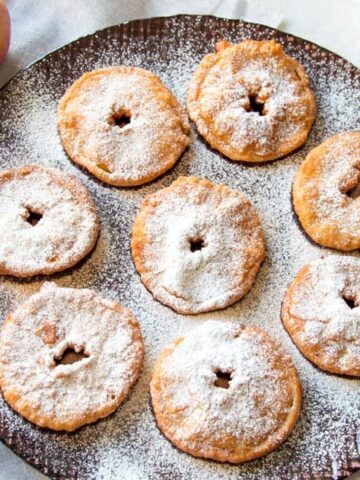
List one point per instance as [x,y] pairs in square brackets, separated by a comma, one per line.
[251,101]
[197,246]
[226,392]
[322,315]
[68,357]
[325,194]
[48,221]
[123,125]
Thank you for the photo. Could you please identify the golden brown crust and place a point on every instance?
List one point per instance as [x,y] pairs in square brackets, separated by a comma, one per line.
[46,405]
[214,95]
[218,444]
[165,129]
[329,354]
[80,196]
[234,269]
[327,214]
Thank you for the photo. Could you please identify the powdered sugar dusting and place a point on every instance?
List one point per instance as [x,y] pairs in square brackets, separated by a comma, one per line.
[152,139]
[340,175]
[285,109]
[129,441]
[200,412]
[66,226]
[203,247]
[38,334]
[320,301]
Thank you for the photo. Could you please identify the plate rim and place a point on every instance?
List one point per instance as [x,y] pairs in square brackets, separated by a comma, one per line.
[163,17]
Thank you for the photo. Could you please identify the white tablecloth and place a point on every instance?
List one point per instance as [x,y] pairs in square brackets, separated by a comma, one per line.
[39,26]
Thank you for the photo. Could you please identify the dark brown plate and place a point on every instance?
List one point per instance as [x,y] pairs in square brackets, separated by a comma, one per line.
[128,445]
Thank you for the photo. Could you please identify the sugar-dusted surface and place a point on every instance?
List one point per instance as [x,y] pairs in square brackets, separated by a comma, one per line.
[129,444]
[197,245]
[245,418]
[67,396]
[219,101]
[129,154]
[67,225]
[321,312]
[325,192]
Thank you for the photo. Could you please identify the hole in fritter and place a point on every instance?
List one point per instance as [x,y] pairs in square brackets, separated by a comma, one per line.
[122,120]
[353,192]
[33,217]
[70,355]
[256,105]
[350,183]
[349,300]
[196,244]
[223,379]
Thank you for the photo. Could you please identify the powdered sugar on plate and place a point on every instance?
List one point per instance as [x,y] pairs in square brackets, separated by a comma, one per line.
[128,444]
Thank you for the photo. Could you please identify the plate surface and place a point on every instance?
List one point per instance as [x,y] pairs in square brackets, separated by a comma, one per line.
[128,445]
